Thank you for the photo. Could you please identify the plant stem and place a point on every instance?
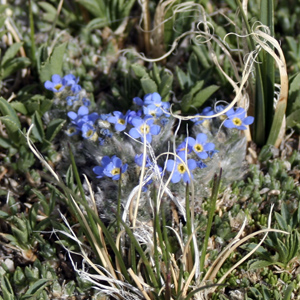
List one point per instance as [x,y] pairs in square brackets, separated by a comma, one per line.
[214,197]
[31,21]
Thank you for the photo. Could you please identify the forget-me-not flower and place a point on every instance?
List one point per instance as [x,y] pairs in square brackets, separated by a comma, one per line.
[180,168]
[144,128]
[200,146]
[115,168]
[119,120]
[237,119]
[98,170]
[56,85]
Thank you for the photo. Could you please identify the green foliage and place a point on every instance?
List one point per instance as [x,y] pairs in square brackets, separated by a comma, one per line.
[15,141]
[53,64]
[154,81]
[107,12]
[10,63]
[293,109]
[195,92]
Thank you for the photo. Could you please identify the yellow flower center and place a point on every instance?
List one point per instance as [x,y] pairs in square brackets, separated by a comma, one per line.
[145,129]
[58,86]
[121,121]
[198,148]
[115,171]
[237,121]
[71,129]
[89,133]
[181,168]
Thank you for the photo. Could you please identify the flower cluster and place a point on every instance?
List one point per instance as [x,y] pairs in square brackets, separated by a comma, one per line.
[69,85]
[182,166]
[148,120]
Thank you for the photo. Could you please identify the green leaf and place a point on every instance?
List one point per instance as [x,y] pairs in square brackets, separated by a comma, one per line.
[203,95]
[3,214]
[258,264]
[5,143]
[13,65]
[165,86]
[287,294]
[36,288]
[53,128]
[97,23]
[8,293]
[6,109]
[10,53]
[148,85]
[139,71]
[295,84]
[53,65]
[37,130]
[281,221]
[182,78]
[10,124]
[96,7]
[19,106]
[50,11]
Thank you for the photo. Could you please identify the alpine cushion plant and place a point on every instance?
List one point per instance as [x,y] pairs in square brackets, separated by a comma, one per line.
[180,168]
[237,119]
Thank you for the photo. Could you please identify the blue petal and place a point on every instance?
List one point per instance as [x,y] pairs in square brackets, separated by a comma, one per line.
[155,129]
[192,164]
[186,177]
[170,165]
[176,177]
[248,121]
[137,121]
[201,138]
[229,124]
[191,141]
[202,155]
[209,146]
[134,133]
[56,78]
[112,119]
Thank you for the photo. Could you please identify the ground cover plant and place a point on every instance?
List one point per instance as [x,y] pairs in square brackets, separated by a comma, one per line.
[149,150]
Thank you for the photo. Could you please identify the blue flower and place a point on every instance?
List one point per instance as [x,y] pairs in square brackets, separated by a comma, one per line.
[72,81]
[152,110]
[144,127]
[119,120]
[201,164]
[200,146]
[155,99]
[184,146]
[138,159]
[56,85]
[71,99]
[88,131]
[115,168]
[77,117]
[98,170]
[72,130]
[138,101]
[106,132]
[237,119]
[180,169]
[86,102]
